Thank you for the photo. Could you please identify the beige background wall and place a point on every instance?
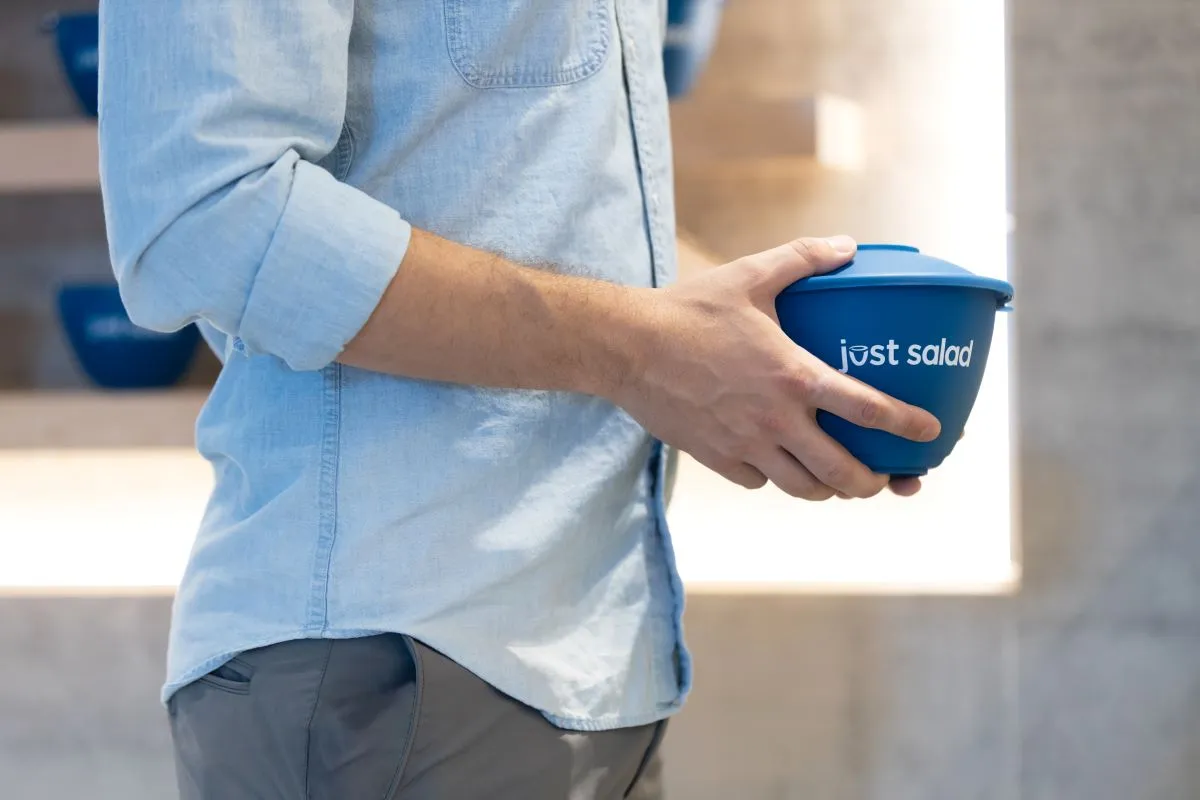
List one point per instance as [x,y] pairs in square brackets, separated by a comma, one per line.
[1107,177]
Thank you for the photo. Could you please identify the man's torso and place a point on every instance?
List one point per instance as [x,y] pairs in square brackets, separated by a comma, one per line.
[520,533]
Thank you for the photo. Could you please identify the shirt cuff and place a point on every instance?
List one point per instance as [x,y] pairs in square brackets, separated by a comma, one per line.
[334,253]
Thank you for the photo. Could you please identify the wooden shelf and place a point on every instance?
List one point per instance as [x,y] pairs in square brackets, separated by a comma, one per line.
[712,133]
[44,157]
[36,420]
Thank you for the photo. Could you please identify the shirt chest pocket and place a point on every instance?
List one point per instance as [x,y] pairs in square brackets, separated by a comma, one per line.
[527,43]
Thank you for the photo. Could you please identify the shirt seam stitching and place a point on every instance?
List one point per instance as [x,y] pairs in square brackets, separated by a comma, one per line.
[318,616]
[481,77]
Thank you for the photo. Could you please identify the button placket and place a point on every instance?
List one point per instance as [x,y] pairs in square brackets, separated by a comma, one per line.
[643,142]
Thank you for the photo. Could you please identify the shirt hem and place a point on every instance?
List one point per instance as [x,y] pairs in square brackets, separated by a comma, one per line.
[608,723]
[563,721]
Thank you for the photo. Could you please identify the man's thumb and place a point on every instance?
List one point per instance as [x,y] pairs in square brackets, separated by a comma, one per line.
[802,258]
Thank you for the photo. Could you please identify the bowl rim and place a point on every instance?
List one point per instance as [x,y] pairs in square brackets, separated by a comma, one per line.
[922,274]
[1001,289]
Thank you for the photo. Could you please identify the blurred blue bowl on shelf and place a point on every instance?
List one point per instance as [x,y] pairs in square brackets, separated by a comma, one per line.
[691,33]
[113,351]
[77,37]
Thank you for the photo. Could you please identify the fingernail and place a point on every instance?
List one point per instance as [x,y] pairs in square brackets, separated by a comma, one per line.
[842,245]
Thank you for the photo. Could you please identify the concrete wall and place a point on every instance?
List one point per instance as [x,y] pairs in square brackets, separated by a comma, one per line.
[1087,685]
[1107,202]
[79,716]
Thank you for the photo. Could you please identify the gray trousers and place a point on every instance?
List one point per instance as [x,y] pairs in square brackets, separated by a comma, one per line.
[387,718]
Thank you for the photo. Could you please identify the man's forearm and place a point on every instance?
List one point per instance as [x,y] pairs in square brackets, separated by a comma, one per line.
[460,315]
[702,365]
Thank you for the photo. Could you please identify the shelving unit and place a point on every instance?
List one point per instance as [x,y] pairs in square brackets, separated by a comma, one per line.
[44,157]
[824,129]
[114,480]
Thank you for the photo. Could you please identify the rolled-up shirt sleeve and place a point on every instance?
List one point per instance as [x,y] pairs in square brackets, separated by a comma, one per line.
[219,124]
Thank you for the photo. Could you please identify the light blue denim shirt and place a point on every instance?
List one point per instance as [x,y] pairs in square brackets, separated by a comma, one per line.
[262,163]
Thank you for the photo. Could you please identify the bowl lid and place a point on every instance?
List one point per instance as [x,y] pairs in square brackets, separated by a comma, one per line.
[900,265]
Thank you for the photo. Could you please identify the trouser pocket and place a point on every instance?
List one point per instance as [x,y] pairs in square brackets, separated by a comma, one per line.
[310,719]
[233,676]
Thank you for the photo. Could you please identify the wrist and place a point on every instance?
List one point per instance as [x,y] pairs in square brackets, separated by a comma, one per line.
[618,338]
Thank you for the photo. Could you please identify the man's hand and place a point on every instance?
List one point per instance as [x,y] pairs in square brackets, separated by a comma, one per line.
[715,376]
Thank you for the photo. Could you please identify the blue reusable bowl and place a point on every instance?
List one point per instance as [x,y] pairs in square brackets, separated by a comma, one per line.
[914,327]
[77,37]
[691,32]
[114,352]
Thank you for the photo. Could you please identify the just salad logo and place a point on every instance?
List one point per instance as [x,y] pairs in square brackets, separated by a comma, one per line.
[930,355]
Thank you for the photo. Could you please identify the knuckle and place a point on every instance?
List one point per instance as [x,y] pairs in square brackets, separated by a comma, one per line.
[716,461]
[871,410]
[851,478]
[823,493]
[753,270]
[805,488]
[736,471]
[738,451]
[915,426]
[734,475]
[738,455]
[803,383]
[753,480]
[817,492]
[811,250]
[835,474]
[798,489]
[772,423]
[873,487]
